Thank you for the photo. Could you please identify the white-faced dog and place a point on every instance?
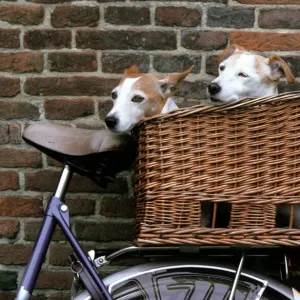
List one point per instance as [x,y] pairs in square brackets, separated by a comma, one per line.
[244,74]
[141,95]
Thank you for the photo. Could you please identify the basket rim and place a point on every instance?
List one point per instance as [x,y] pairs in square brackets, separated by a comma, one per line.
[208,108]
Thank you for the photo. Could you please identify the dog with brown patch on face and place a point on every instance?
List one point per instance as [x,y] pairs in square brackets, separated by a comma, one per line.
[245,74]
[141,95]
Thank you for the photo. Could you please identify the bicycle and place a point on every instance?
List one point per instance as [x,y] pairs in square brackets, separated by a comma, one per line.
[174,272]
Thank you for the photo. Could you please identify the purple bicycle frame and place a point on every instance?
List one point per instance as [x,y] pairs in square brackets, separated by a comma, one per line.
[57,213]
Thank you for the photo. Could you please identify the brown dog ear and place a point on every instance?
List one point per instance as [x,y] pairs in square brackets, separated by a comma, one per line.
[169,84]
[229,51]
[133,70]
[280,68]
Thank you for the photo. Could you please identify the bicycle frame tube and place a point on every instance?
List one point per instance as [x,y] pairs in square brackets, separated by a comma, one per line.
[56,214]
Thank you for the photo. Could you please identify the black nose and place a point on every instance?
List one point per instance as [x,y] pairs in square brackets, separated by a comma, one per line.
[214,88]
[111,122]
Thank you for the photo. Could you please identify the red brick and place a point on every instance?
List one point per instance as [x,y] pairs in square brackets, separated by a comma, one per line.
[17,254]
[279,18]
[46,180]
[22,14]
[70,86]
[68,109]
[9,38]
[75,16]
[21,62]
[53,162]
[9,228]
[21,206]
[47,39]
[59,280]
[4,135]
[104,107]
[266,41]
[269,1]
[177,16]
[14,158]
[15,131]
[204,40]
[72,61]
[121,15]
[127,40]
[9,87]
[9,180]
[18,110]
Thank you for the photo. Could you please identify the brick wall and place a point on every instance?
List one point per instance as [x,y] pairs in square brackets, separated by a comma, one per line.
[59,60]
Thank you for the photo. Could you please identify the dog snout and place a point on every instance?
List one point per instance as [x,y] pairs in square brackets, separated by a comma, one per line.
[111,122]
[214,88]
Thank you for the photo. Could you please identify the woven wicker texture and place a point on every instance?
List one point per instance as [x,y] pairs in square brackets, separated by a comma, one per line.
[246,153]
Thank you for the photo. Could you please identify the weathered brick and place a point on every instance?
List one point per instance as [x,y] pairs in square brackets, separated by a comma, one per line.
[266,41]
[121,15]
[21,62]
[14,158]
[117,206]
[51,39]
[204,40]
[75,16]
[283,87]
[22,14]
[268,1]
[15,254]
[211,65]
[15,133]
[46,180]
[177,16]
[9,87]
[72,62]
[32,228]
[105,231]
[9,180]
[230,17]
[8,280]
[68,109]
[53,162]
[62,1]
[192,90]
[5,295]
[125,40]
[280,18]
[9,229]
[21,206]
[59,280]
[118,62]
[73,86]
[294,63]
[104,108]
[4,136]
[9,38]
[176,63]
[18,110]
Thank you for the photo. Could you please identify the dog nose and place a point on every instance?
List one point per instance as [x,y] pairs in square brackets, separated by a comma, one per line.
[214,88]
[111,122]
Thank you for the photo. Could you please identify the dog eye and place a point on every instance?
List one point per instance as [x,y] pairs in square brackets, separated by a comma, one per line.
[222,68]
[114,95]
[243,75]
[137,99]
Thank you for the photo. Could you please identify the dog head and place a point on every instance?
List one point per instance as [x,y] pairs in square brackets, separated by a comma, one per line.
[244,74]
[141,95]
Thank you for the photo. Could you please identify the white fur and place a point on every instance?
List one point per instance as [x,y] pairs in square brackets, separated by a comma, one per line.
[234,87]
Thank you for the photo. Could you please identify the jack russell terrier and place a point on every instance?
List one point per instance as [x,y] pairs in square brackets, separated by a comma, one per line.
[141,95]
[244,74]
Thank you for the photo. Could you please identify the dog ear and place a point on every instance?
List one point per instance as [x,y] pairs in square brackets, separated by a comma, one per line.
[169,84]
[229,51]
[280,68]
[133,70]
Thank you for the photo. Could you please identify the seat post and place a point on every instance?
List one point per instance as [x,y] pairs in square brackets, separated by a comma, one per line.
[63,183]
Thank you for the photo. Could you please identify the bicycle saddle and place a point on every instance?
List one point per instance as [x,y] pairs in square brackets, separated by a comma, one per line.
[93,153]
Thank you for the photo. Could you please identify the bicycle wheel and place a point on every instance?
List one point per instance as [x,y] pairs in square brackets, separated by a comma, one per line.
[182,281]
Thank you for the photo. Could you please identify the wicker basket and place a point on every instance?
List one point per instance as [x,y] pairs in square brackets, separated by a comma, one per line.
[245,154]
